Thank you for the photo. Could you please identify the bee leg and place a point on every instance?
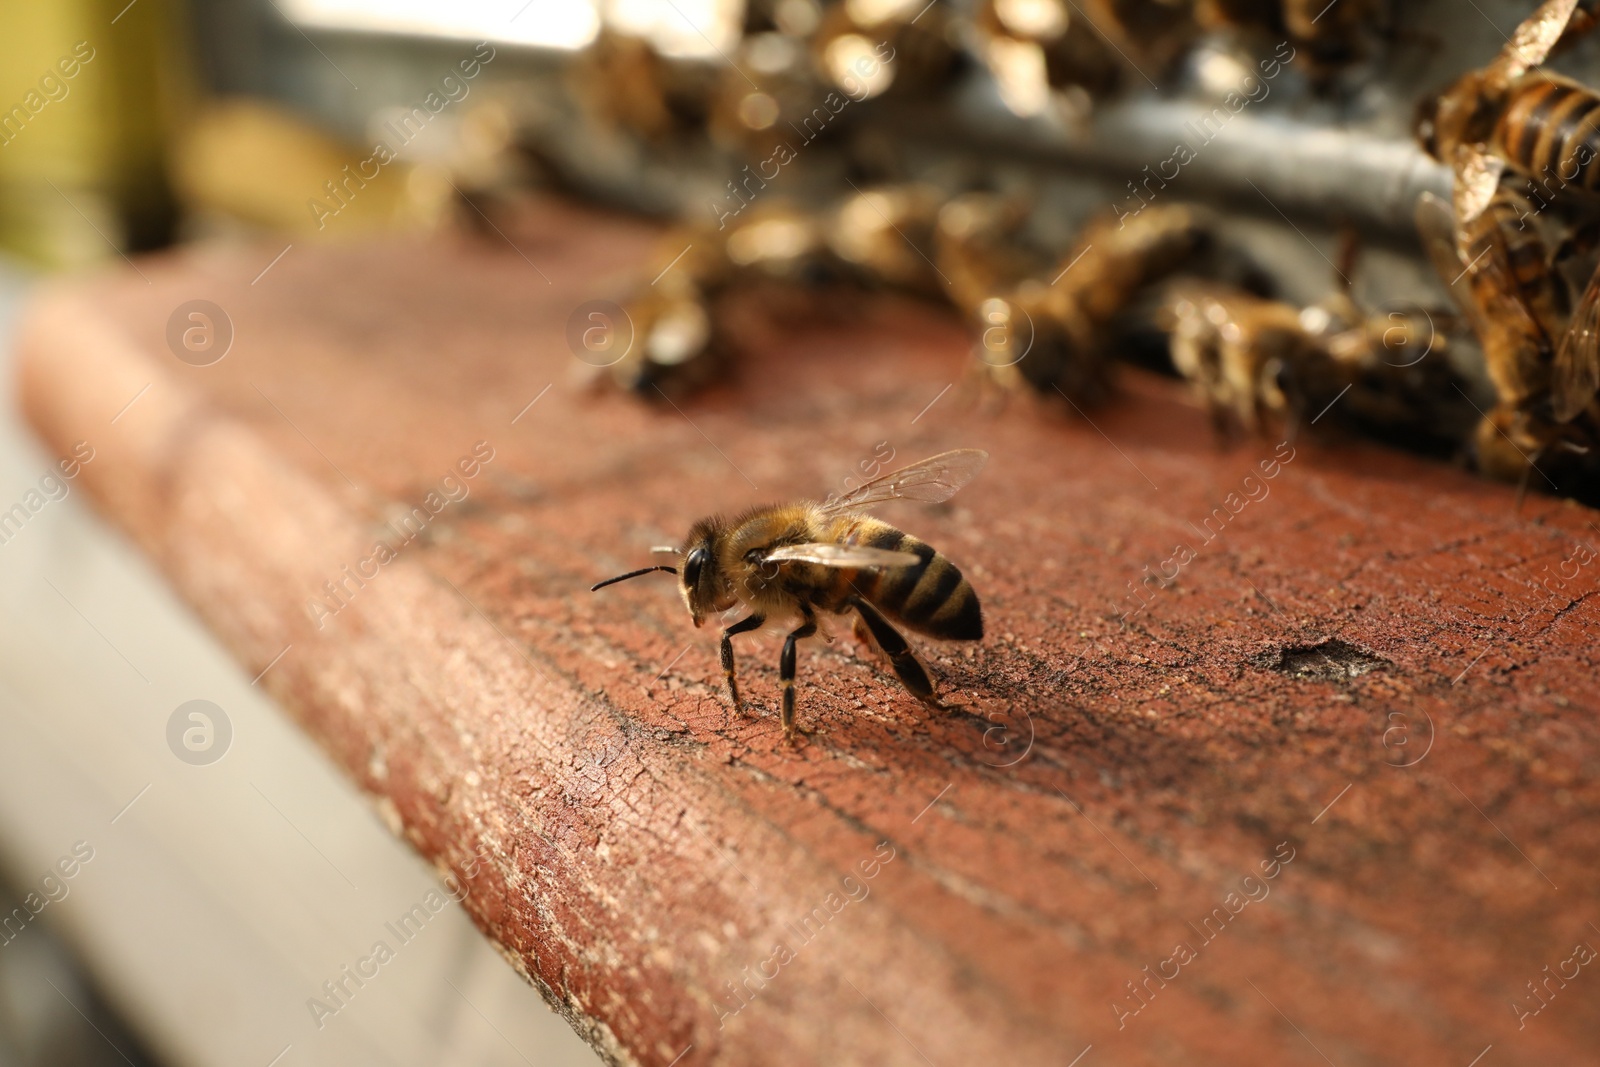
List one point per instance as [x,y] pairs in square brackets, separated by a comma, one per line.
[1221,429]
[864,635]
[906,668]
[786,672]
[1291,431]
[744,625]
[1527,478]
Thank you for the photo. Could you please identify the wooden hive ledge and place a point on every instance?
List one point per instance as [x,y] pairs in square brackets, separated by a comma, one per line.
[908,886]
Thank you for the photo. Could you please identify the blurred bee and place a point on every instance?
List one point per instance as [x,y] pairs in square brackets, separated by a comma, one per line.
[871,239]
[866,48]
[1258,363]
[1541,361]
[1584,19]
[1403,385]
[1332,35]
[626,84]
[1236,350]
[1039,54]
[879,234]
[769,95]
[1053,331]
[793,18]
[799,560]
[980,246]
[1388,375]
[489,176]
[1511,114]
[681,335]
[1150,34]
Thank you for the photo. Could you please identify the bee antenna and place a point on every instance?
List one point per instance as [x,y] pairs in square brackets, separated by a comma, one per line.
[631,574]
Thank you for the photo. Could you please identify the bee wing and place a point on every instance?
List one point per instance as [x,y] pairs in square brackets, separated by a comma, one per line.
[1477,176]
[934,479]
[1530,42]
[1577,366]
[831,555]
[1436,225]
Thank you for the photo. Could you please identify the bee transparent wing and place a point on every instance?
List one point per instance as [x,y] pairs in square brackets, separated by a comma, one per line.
[1477,176]
[1508,302]
[1577,366]
[934,479]
[830,555]
[1530,42]
[1457,269]
[1436,225]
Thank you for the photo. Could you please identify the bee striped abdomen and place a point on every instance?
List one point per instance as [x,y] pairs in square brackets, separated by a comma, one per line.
[1551,130]
[930,597]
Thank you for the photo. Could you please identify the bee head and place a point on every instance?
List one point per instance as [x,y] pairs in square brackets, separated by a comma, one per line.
[1463,114]
[1425,125]
[705,587]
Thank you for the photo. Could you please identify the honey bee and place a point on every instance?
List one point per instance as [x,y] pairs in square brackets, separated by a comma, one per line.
[1257,362]
[1333,35]
[878,234]
[682,338]
[767,96]
[1054,331]
[980,247]
[867,48]
[1237,350]
[1038,51]
[1542,363]
[1584,19]
[870,239]
[796,561]
[1511,114]
[1402,384]
[624,83]
[1150,34]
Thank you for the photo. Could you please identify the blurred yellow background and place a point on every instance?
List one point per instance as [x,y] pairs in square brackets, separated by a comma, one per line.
[83,159]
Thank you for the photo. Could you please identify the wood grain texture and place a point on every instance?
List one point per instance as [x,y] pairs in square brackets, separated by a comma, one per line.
[1106,785]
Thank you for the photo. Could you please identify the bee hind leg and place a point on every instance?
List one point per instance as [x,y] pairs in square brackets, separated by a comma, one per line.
[911,673]
[786,672]
[744,625]
[858,626]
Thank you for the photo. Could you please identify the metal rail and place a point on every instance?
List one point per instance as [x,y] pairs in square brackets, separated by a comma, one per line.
[1299,167]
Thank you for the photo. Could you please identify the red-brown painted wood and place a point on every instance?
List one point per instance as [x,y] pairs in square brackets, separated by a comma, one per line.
[1109,784]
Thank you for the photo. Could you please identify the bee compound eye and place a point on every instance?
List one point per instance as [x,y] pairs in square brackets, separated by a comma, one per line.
[692,565]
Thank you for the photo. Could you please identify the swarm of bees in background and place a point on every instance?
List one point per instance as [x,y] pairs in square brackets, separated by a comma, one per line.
[1517,246]
[1512,245]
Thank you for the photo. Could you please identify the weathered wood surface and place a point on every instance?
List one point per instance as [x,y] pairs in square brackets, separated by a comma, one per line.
[1108,786]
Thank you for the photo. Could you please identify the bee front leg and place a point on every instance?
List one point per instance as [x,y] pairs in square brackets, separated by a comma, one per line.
[786,672]
[744,625]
